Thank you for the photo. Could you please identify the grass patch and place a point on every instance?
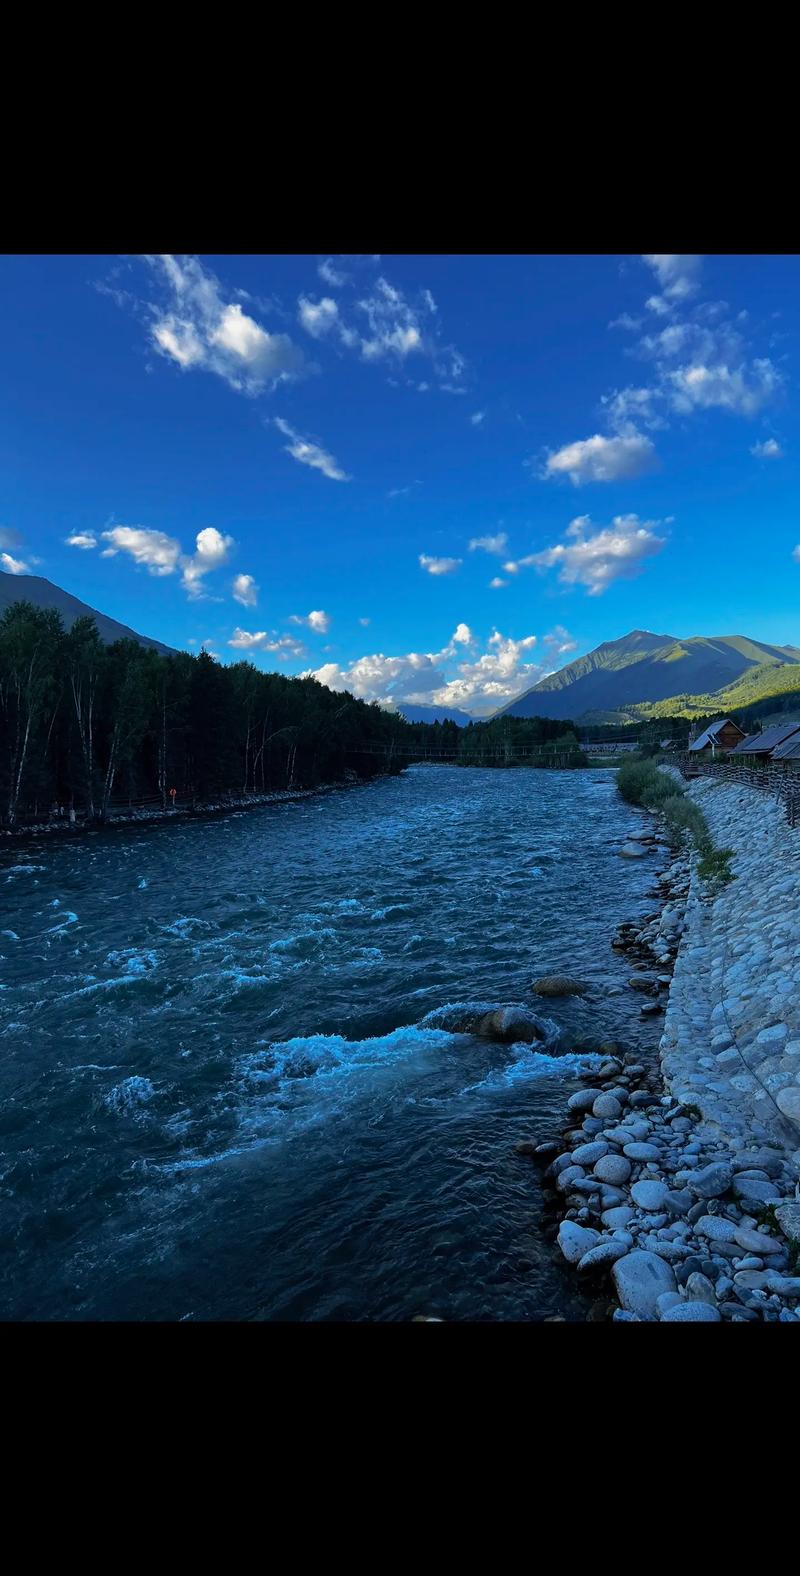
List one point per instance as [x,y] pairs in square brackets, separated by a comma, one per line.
[640,782]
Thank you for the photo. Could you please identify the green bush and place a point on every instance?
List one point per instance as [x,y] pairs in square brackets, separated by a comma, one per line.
[640,782]
[681,816]
[715,865]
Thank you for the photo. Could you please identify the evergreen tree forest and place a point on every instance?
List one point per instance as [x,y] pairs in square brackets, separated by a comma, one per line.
[87,726]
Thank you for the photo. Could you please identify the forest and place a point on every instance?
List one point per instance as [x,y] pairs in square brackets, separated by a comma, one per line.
[86,727]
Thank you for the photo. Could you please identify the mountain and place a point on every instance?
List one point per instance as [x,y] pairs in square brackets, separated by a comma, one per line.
[42,593]
[645,675]
[434,714]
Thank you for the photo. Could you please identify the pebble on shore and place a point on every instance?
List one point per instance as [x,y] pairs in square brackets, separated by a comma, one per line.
[685,1182]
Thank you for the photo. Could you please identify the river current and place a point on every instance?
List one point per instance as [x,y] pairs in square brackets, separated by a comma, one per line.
[226,1090]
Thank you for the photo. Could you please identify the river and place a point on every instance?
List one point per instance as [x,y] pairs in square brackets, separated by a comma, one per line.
[219,1095]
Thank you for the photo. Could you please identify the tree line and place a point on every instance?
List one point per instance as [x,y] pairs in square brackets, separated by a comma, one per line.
[503,741]
[84,724]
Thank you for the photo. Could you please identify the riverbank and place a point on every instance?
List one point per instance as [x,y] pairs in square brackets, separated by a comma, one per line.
[673,1185]
[156,816]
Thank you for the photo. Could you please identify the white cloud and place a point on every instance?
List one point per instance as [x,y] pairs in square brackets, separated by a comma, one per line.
[770,449]
[600,459]
[626,321]
[332,275]
[629,408]
[490,544]
[14,566]
[307,452]
[439,566]
[364,621]
[495,584]
[677,273]
[444,678]
[596,557]
[478,417]
[796,553]
[741,390]
[212,551]
[559,641]
[318,621]
[245,590]
[197,329]
[160,554]
[84,539]
[394,325]
[285,646]
[318,317]
[701,362]
[384,325]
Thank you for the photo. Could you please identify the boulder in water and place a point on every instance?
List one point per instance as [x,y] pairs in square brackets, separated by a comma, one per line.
[511,1025]
[558,985]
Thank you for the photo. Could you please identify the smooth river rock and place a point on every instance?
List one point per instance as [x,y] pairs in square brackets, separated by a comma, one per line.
[650,1195]
[587,1154]
[640,1279]
[606,1105]
[582,1100]
[558,985]
[576,1241]
[691,1313]
[756,1241]
[757,1192]
[641,1151]
[788,1101]
[605,1253]
[614,1169]
[716,1228]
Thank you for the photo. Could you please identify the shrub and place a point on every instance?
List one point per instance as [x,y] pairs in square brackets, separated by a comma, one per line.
[715,865]
[683,816]
[640,782]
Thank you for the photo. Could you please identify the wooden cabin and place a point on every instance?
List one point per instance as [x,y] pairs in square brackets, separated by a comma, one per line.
[718,738]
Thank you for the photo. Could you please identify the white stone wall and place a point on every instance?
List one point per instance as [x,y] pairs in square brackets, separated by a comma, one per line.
[731,1041]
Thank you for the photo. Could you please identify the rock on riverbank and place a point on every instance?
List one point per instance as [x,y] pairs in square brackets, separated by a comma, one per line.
[655,1198]
[675,1186]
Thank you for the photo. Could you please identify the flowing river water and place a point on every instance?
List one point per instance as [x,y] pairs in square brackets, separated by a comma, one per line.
[228,1089]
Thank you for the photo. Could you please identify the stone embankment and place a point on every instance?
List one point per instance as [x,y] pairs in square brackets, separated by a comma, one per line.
[676,1186]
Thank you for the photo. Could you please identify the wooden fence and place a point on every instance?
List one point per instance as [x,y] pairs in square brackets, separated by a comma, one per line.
[781,781]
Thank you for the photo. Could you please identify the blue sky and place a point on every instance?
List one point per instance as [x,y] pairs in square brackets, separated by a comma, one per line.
[421,477]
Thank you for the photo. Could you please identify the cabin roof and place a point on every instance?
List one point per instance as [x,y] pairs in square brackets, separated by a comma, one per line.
[711,734]
[768,741]
[790,749]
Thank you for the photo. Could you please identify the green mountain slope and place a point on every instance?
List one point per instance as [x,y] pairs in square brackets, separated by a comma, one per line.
[778,682]
[42,593]
[647,675]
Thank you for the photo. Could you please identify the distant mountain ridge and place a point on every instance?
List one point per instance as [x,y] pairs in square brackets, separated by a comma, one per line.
[641,674]
[435,714]
[42,593]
